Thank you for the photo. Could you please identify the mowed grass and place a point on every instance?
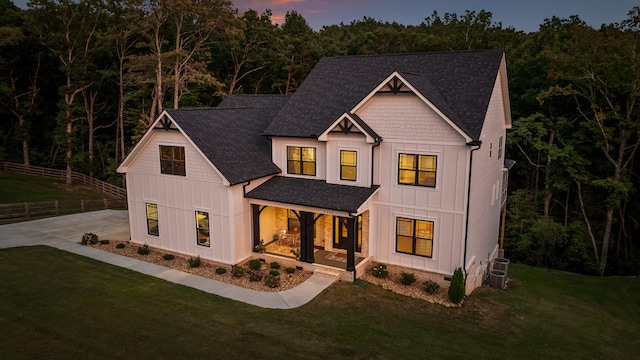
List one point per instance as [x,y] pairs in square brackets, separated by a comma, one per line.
[57,305]
[15,188]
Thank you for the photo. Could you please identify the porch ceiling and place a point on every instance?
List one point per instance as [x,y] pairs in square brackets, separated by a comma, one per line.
[313,193]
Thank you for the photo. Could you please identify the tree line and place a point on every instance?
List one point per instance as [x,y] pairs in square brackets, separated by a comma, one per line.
[80,82]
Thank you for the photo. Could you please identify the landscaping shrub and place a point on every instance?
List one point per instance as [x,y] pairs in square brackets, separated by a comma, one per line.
[380,271]
[254,264]
[120,246]
[194,262]
[143,250]
[407,278]
[221,271]
[272,281]
[290,270]
[104,242]
[89,238]
[456,289]
[431,287]
[274,265]
[274,272]
[237,271]
[168,256]
[255,275]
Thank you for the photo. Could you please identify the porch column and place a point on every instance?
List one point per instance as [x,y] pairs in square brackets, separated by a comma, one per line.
[256,224]
[307,224]
[352,230]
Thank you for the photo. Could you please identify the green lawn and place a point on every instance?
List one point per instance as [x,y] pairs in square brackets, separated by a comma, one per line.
[57,305]
[15,188]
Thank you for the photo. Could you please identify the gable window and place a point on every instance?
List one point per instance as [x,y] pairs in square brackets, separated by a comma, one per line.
[202,228]
[152,219]
[419,170]
[301,160]
[172,160]
[348,165]
[414,237]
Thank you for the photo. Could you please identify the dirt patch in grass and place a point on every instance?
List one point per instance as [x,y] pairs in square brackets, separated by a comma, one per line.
[207,268]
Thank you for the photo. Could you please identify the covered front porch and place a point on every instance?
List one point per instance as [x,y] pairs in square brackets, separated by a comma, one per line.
[311,221]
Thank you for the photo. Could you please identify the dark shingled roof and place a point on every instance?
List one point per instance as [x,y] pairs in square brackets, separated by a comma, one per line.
[458,83]
[313,193]
[230,135]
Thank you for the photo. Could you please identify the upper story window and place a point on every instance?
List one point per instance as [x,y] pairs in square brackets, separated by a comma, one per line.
[172,160]
[348,165]
[301,160]
[202,228]
[414,237]
[419,170]
[500,141]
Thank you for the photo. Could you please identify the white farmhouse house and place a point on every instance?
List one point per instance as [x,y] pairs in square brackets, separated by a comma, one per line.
[396,159]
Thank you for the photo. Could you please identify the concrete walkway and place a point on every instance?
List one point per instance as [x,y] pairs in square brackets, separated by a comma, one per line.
[65,232]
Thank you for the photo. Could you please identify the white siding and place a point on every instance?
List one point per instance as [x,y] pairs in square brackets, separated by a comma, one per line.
[355,143]
[279,155]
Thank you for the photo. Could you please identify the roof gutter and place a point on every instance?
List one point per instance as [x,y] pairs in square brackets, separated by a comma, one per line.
[477,144]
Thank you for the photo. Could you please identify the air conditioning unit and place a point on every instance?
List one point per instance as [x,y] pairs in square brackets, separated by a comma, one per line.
[498,279]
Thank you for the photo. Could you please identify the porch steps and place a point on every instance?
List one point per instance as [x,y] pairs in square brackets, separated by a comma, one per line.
[328,271]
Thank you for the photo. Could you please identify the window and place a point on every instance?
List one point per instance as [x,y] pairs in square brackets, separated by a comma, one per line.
[202,228]
[172,160]
[348,165]
[152,219]
[417,170]
[414,237]
[500,141]
[301,160]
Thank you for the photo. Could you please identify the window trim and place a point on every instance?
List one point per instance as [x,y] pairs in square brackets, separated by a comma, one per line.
[417,171]
[206,243]
[174,170]
[414,238]
[354,166]
[500,147]
[301,161]
[150,220]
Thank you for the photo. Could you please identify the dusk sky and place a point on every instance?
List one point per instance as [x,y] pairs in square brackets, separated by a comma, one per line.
[522,15]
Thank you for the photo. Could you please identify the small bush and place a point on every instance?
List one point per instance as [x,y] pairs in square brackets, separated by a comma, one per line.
[380,271]
[104,242]
[290,270]
[221,271]
[407,278]
[89,238]
[255,275]
[254,264]
[194,262]
[456,289]
[274,272]
[272,281]
[237,271]
[168,256]
[431,287]
[274,265]
[120,246]
[143,250]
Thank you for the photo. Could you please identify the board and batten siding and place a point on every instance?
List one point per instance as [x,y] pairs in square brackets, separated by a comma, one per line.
[486,185]
[351,142]
[178,197]
[408,125]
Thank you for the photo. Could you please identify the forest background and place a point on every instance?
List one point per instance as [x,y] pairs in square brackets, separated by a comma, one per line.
[80,82]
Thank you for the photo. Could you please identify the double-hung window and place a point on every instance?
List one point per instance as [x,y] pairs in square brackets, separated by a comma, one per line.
[419,170]
[172,160]
[301,160]
[202,228]
[348,165]
[414,237]
[152,219]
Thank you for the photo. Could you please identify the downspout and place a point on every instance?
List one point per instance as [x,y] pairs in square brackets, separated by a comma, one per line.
[378,142]
[478,144]
[244,188]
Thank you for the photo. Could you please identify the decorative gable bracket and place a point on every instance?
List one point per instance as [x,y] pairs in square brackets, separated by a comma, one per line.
[351,124]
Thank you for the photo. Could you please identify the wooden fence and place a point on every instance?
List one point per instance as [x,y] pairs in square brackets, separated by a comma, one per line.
[29,210]
[99,185]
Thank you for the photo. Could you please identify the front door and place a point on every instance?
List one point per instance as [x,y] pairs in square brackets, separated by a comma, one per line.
[341,233]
